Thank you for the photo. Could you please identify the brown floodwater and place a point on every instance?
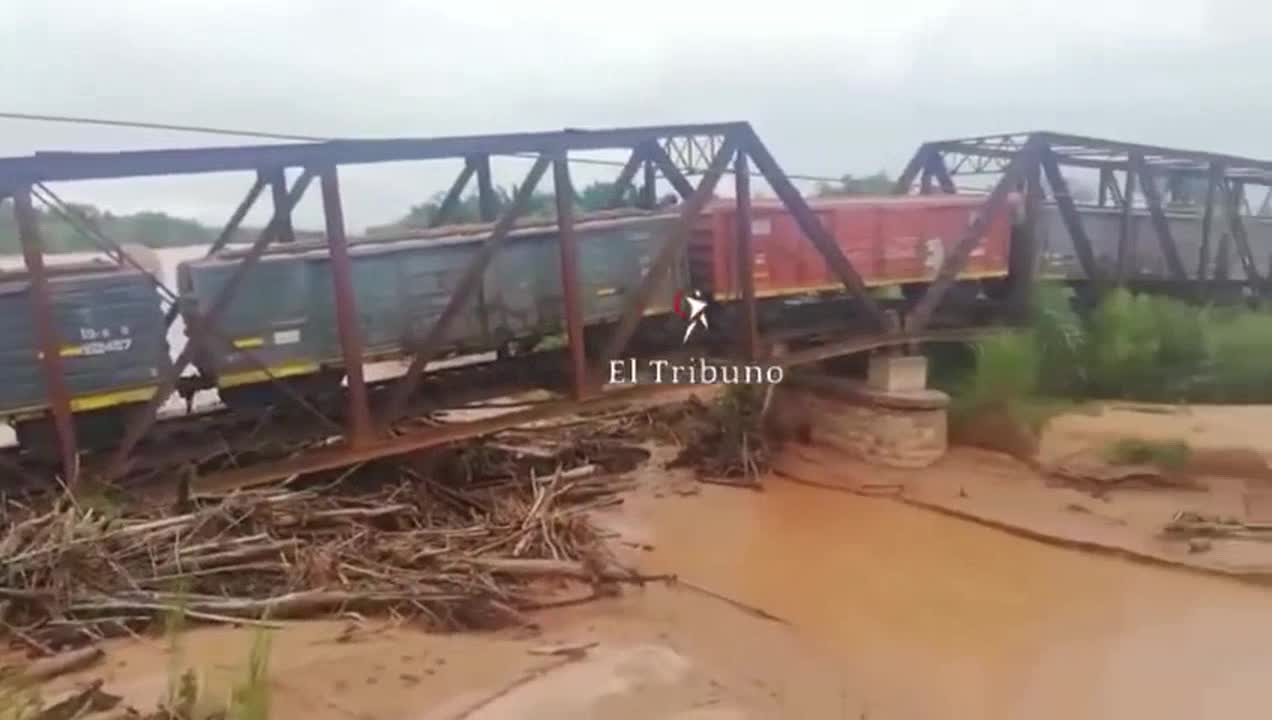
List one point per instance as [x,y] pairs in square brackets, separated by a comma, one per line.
[936,617]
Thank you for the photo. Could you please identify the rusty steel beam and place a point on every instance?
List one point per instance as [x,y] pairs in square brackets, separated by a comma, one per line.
[1021,166]
[571,296]
[917,163]
[1223,257]
[1170,251]
[467,285]
[453,195]
[358,417]
[936,168]
[136,428]
[1023,260]
[1071,217]
[277,179]
[487,201]
[1207,221]
[46,166]
[813,228]
[745,256]
[1126,250]
[42,311]
[658,155]
[673,242]
[625,176]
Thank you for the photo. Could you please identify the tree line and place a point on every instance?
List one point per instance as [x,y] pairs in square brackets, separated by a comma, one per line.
[159,230]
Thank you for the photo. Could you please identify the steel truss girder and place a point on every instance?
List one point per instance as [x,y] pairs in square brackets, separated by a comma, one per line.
[676,152]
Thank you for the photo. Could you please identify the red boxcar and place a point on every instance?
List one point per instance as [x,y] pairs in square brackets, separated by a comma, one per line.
[889,240]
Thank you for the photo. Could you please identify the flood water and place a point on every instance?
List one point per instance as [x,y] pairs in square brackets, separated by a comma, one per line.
[937,617]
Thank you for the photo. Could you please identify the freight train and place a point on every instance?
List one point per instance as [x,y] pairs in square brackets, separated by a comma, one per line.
[113,332]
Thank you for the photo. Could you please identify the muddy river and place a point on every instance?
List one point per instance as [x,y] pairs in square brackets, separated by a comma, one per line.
[935,617]
[890,612]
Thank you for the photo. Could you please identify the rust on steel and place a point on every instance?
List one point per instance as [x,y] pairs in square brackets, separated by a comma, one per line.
[572,297]
[673,241]
[464,289]
[954,262]
[412,440]
[658,154]
[358,414]
[46,333]
[227,233]
[813,228]
[453,195]
[277,179]
[1170,251]
[136,428]
[745,256]
[1070,216]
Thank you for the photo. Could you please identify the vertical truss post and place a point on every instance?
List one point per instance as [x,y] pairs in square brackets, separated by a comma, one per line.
[358,417]
[487,202]
[917,163]
[1157,214]
[454,195]
[1071,217]
[277,179]
[1223,258]
[813,229]
[925,182]
[1023,261]
[44,318]
[1236,228]
[649,185]
[1213,178]
[1022,163]
[746,257]
[571,295]
[1102,196]
[464,290]
[673,241]
[935,169]
[1126,254]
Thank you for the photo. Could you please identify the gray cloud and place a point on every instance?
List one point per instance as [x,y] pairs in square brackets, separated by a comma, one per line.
[832,87]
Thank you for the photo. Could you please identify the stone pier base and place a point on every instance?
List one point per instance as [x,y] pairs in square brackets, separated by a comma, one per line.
[903,428]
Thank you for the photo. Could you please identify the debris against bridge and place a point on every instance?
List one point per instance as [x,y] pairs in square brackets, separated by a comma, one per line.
[469,537]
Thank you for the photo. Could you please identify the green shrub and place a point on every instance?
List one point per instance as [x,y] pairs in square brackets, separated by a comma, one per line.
[1166,454]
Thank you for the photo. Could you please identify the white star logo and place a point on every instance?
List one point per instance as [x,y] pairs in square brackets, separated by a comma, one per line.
[696,315]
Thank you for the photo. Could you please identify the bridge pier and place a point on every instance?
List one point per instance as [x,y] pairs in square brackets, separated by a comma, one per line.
[891,419]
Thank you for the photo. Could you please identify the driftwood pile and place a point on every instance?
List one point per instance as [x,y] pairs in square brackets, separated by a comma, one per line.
[468,539]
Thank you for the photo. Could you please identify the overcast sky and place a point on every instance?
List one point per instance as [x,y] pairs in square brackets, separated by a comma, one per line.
[831,87]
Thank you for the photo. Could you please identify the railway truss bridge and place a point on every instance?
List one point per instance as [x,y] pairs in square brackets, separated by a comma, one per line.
[371,420]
